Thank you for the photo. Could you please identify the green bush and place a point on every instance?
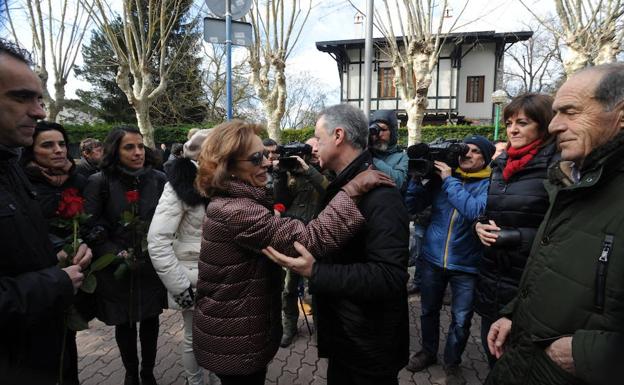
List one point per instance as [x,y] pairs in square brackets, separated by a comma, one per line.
[163,134]
[172,134]
[430,133]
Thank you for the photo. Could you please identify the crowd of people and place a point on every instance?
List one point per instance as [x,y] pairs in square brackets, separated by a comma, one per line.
[233,231]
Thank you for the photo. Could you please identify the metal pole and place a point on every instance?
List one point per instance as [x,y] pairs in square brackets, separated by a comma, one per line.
[368,56]
[497,107]
[228,59]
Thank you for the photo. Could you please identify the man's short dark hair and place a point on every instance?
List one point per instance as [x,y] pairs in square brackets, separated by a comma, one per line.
[268,142]
[610,89]
[14,50]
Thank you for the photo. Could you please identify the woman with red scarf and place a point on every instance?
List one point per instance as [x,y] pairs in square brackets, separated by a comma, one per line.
[517,202]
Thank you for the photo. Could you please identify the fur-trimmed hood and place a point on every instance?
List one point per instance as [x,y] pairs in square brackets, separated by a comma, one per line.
[181,175]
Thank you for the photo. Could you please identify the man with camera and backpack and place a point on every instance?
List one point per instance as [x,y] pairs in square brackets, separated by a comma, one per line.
[450,251]
[299,185]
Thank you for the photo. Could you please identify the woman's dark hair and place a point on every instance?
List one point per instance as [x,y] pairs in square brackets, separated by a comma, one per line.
[110,158]
[537,107]
[28,154]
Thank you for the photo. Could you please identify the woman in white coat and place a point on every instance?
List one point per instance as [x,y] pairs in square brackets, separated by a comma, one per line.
[174,242]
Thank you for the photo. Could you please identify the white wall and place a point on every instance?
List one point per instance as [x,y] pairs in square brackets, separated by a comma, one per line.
[479,62]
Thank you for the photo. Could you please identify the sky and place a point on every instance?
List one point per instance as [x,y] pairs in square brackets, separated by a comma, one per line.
[334,20]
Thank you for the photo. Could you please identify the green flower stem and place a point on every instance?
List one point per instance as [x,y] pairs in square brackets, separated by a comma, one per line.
[75,242]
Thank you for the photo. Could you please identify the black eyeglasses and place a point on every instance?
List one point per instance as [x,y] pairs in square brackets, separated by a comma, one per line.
[256,158]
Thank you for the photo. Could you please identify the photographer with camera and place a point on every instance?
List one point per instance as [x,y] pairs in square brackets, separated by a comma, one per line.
[299,185]
[382,143]
[451,252]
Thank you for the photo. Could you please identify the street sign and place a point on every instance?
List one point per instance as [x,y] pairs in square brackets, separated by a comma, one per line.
[214,32]
[239,8]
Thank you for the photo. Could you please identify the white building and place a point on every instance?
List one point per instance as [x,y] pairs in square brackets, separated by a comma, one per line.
[469,69]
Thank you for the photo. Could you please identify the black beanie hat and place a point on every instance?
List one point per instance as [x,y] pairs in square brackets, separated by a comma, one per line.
[486,147]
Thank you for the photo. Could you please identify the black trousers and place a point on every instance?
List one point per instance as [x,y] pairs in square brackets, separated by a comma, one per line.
[256,378]
[70,360]
[126,337]
[338,374]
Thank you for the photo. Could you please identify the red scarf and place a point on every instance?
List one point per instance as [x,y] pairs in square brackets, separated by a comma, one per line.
[519,157]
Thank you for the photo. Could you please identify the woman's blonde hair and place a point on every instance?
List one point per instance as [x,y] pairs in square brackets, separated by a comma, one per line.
[227,141]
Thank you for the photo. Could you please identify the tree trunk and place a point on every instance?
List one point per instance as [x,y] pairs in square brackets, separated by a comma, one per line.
[145,124]
[608,53]
[273,128]
[57,105]
[575,62]
[415,114]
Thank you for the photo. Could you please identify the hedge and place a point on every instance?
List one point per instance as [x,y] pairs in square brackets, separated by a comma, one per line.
[429,133]
[173,134]
[163,134]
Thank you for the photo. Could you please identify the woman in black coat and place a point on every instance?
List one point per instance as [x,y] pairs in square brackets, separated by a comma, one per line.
[51,170]
[131,293]
[516,205]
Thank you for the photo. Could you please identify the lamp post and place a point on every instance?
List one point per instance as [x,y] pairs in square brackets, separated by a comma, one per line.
[499,97]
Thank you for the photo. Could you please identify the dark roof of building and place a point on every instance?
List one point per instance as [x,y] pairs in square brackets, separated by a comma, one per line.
[464,37]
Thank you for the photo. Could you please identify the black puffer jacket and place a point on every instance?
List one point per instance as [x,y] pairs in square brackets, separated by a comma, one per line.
[34,291]
[360,291]
[49,197]
[518,207]
[106,201]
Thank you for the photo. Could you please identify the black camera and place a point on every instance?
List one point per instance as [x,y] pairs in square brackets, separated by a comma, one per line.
[288,151]
[373,129]
[422,155]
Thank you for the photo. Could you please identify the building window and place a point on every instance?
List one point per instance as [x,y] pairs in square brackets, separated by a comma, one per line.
[386,83]
[474,89]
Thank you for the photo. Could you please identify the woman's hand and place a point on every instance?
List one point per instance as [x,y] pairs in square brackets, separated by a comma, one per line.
[365,182]
[487,232]
[301,265]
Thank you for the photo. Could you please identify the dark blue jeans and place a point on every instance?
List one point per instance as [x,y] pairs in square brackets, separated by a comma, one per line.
[434,281]
[416,242]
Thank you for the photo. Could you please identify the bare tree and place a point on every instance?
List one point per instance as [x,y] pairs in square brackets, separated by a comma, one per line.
[214,83]
[306,98]
[277,26]
[139,48]
[57,31]
[414,52]
[535,64]
[591,30]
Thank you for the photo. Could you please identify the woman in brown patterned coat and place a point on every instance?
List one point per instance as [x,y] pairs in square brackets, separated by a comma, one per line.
[237,322]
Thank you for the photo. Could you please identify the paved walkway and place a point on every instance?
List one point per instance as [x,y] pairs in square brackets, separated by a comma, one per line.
[298,364]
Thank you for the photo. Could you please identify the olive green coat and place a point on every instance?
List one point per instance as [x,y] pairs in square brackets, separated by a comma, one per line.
[568,289]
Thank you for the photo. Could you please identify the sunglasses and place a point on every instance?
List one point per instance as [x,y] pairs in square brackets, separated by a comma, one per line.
[256,158]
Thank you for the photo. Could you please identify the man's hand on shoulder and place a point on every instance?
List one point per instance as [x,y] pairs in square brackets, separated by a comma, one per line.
[302,265]
[560,352]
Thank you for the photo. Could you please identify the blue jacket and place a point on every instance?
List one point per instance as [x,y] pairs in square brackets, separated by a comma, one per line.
[449,241]
[392,162]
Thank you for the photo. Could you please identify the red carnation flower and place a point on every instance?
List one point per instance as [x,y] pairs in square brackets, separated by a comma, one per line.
[71,203]
[132,196]
[279,207]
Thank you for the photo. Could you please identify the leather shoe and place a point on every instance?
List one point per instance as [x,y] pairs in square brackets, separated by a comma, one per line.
[420,361]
